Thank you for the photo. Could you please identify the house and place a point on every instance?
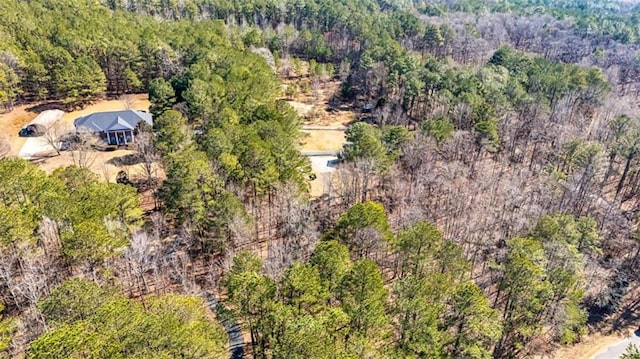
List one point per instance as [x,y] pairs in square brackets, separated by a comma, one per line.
[115,127]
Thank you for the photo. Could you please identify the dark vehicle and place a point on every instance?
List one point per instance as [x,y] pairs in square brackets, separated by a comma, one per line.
[26,132]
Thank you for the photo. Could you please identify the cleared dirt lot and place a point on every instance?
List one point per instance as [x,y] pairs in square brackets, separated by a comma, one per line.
[10,125]
[105,164]
[140,102]
[323,140]
[324,123]
[316,107]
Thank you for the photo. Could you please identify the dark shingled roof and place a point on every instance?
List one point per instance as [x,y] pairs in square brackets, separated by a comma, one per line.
[112,121]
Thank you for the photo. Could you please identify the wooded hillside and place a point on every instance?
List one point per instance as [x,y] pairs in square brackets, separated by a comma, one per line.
[485,206]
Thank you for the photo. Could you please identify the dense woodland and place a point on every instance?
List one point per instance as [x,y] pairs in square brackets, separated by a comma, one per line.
[486,208]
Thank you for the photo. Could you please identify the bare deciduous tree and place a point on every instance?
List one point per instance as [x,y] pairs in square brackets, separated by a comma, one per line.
[55,135]
[9,277]
[296,233]
[141,257]
[128,101]
[179,266]
[82,151]
[240,231]
[5,148]
[147,154]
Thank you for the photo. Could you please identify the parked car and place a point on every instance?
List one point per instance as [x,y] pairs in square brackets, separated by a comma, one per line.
[65,145]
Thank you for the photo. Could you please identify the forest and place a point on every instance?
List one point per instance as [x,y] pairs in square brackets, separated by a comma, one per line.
[485,207]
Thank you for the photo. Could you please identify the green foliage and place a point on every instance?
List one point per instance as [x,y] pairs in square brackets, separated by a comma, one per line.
[189,180]
[477,325]
[306,336]
[431,10]
[193,193]
[625,143]
[332,261]
[580,155]
[366,143]
[361,217]
[543,281]
[439,314]
[334,308]
[550,81]
[244,138]
[74,300]
[305,315]
[527,294]
[252,38]
[363,298]
[302,288]
[162,97]
[422,250]
[77,58]
[106,325]
[488,130]
[16,225]
[612,19]
[7,329]
[249,291]
[440,129]
[393,138]
[573,323]
[418,305]
[581,233]
[226,139]
[245,261]
[93,218]
[252,296]
[564,238]
[171,133]
[510,81]
[77,80]
[9,86]
[632,352]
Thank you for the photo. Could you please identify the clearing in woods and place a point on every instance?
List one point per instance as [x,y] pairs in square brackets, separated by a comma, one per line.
[323,129]
[11,123]
[324,121]
[105,164]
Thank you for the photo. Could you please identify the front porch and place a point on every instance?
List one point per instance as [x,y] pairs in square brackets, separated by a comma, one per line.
[120,137]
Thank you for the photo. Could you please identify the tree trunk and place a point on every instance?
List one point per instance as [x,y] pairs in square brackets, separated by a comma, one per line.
[624,176]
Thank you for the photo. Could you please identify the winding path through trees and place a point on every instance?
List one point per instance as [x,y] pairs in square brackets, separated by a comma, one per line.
[233,329]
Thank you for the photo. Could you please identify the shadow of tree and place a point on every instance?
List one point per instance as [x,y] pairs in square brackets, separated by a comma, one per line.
[126,160]
[55,105]
[630,315]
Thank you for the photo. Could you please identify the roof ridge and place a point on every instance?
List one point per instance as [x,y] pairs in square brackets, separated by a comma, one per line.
[114,120]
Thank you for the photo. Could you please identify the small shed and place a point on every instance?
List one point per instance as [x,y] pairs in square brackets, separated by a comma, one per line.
[42,123]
